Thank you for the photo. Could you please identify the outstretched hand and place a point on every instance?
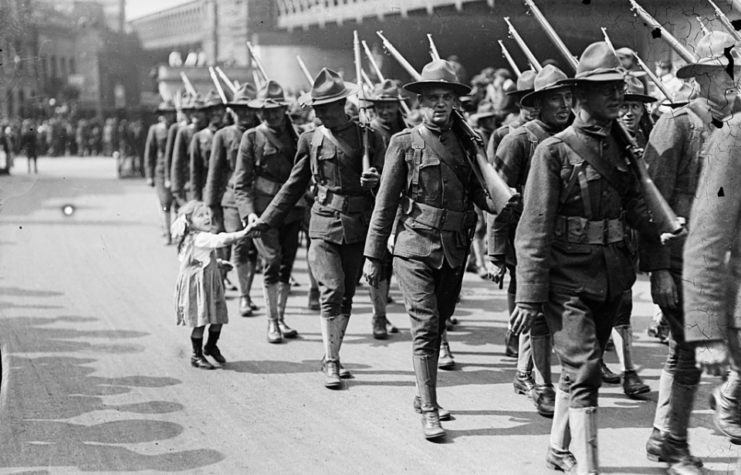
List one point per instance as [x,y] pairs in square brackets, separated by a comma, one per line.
[256,228]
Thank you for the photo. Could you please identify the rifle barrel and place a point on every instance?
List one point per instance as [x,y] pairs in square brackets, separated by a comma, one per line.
[657,82]
[217,83]
[305,70]
[573,62]
[372,61]
[257,61]
[651,22]
[401,60]
[725,21]
[226,80]
[509,59]
[705,30]
[188,85]
[433,49]
[736,5]
[523,46]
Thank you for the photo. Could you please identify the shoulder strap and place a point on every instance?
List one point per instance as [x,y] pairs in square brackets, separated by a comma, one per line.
[445,156]
[534,130]
[337,142]
[569,138]
[264,130]
[316,141]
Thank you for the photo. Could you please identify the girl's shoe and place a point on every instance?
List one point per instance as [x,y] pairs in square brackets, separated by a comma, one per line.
[198,361]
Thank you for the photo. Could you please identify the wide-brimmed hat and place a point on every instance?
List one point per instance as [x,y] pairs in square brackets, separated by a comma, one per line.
[598,63]
[387,91]
[548,79]
[438,73]
[328,87]
[191,103]
[212,99]
[270,96]
[635,92]
[243,95]
[525,84]
[166,106]
[711,52]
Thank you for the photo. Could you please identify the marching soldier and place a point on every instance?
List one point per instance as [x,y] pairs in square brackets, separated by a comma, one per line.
[573,263]
[675,158]
[180,167]
[513,157]
[386,100]
[219,194]
[428,173]
[524,87]
[332,155]
[201,143]
[264,163]
[184,120]
[155,162]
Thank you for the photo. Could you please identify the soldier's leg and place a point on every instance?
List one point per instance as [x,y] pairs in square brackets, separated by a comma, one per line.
[622,335]
[542,394]
[379,299]
[352,266]
[512,341]
[523,382]
[289,246]
[244,257]
[268,246]
[559,457]
[165,199]
[326,261]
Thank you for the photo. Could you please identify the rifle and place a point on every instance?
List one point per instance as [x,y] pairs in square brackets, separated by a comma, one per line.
[258,63]
[379,74]
[651,22]
[657,82]
[362,113]
[433,49]
[306,72]
[725,22]
[534,63]
[226,80]
[509,59]
[573,62]
[188,85]
[705,31]
[366,80]
[217,83]
[494,186]
[663,216]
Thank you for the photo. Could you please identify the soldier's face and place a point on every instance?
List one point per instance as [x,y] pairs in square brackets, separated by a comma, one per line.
[200,117]
[631,113]
[216,116]
[555,106]
[332,114]
[437,105]
[602,100]
[386,111]
[275,116]
[244,116]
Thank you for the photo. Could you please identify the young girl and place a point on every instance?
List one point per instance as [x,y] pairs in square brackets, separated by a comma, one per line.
[199,293]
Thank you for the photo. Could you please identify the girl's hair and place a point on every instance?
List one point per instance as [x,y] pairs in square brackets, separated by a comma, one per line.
[180,228]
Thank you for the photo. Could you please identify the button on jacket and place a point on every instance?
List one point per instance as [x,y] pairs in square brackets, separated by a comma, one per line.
[340,174]
[430,181]
[275,164]
[544,263]
[674,156]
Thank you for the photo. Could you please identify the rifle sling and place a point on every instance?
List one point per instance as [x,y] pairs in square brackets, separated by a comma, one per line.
[445,157]
[603,167]
[337,142]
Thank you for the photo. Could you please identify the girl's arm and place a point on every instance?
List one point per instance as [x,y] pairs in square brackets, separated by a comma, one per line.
[213,241]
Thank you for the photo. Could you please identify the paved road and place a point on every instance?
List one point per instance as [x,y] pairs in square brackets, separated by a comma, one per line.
[98,377]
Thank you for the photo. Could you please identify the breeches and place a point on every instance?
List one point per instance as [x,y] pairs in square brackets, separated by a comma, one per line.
[278,247]
[336,268]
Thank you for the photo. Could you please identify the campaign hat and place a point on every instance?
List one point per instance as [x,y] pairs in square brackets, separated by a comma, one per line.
[166,106]
[191,102]
[270,96]
[212,99]
[635,92]
[548,79]
[328,87]
[525,84]
[386,91]
[598,63]
[711,52]
[438,73]
[243,96]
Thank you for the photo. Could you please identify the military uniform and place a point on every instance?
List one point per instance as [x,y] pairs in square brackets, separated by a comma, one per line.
[200,148]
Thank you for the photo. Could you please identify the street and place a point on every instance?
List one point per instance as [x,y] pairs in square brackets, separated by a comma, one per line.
[97,374]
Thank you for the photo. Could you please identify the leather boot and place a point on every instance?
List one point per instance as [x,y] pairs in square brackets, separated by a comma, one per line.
[197,360]
[633,385]
[379,327]
[390,327]
[523,383]
[378,296]
[283,291]
[343,321]
[511,341]
[313,299]
[446,360]
[245,309]
[210,349]
[444,413]
[608,377]
[245,275]
[544,399]
[674,446]
[622,335]
[344,374]
[271,308]
[676,453]
[543,394]
[331,339]
[559,457]
[425,371]
[724,400]
[583,426]
[661,417]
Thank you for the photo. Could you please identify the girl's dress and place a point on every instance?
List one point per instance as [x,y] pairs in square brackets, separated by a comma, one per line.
[199,293]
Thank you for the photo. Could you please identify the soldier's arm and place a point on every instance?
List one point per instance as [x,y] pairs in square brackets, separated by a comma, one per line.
[379,150]
[150,153]
[534,236]
[393,180]
[510,157]
[179,156]
[244,175]
[214,189]
[293,189]
[169,149]
[710,280]
[196,168]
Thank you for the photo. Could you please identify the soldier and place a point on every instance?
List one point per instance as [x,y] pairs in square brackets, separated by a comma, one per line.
[220,190]
[675,158]
[332,155]
[154,158]
[573,263]
[264,163]
[185,117]
[201,143]
[386,100]
[712,273]
[428,173]
[633,109]
[512,161]
[180,167]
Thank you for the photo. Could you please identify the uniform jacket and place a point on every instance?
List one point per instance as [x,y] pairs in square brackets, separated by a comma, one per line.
[200,153]
[386,131]
[548,263]
[712,253]
[219,183]
[674,156]
[257,157]
[154,151]
[172,133]
[416,171]
[498,135]
[180,170]
[339,173]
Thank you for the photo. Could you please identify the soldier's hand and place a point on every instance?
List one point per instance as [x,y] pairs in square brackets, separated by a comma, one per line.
[663,289]
[252,219]
[497,270]
[712,358]
[370,178]
[391,243]
[668,238]
[372,271]
[256,229]
[167,184]
[150,181]
[522,317]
